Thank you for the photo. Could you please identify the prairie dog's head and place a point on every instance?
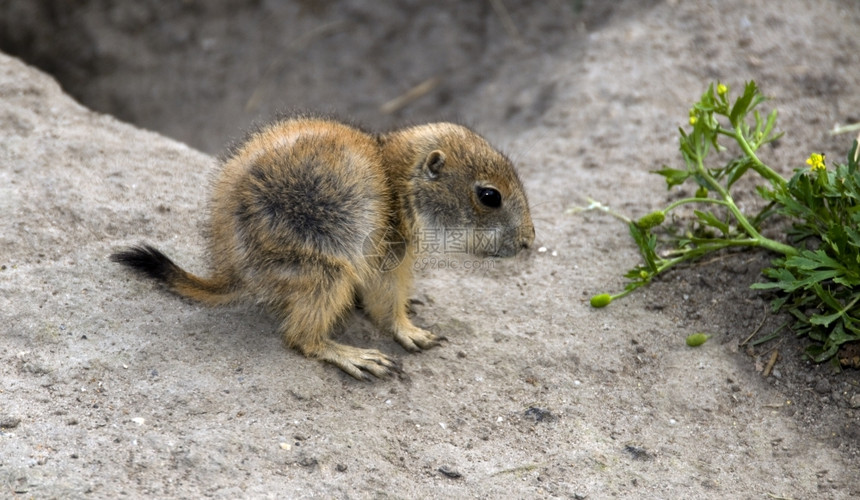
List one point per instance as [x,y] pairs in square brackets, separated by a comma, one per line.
[467,193]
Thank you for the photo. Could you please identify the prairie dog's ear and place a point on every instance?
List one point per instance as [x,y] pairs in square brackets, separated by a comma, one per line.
[434,163]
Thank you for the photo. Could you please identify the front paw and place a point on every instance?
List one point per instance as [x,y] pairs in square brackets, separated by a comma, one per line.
[414,339]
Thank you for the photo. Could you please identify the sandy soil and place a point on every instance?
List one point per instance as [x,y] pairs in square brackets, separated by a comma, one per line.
[112,387]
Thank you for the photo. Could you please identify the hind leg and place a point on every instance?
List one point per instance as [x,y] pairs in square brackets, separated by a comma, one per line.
[311,310]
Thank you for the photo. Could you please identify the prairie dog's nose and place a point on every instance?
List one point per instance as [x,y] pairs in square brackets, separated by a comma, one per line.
[527,236]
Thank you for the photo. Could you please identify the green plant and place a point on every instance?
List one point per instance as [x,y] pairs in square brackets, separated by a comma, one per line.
[820,284]
[817,276]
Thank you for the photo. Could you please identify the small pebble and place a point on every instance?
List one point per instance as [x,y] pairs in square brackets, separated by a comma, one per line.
[448,472]
[308,462]
[9,422]
[637,452]
[539,414]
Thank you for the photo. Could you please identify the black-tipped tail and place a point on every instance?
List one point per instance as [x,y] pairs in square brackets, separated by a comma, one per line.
[149,262]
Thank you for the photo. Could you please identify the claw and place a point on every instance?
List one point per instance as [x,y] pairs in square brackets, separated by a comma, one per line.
[414,339]
[395,367]
[358,363]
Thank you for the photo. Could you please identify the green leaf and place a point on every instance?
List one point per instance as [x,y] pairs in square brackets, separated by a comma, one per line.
[826,296]
[737,168]
[853,236]
[711,220]
[673,176]
[839,336]
[744,103]
[812,279]
[808,260]
[818,319]
[837,238]
[783,279]
[768,128]
[819,354]
[825,320]
[646,242]
[853,157]
[767,285]
[778,303]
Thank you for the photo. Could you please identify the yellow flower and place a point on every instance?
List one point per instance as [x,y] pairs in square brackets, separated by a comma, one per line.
[816,161]
[722,89]
[693,119]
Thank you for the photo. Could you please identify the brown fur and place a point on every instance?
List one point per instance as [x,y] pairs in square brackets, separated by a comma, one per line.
[305,212]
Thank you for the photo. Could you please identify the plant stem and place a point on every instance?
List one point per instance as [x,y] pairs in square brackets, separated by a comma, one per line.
[699,250]
[736,212]
[710,245]
[622,294]
[758,166]
[684,201]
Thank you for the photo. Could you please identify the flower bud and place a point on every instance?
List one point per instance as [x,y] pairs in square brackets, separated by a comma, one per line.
[702,192]
[697,339]
[653,219]
[601,300]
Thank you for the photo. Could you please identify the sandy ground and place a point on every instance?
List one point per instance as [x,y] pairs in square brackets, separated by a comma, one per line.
[112,387]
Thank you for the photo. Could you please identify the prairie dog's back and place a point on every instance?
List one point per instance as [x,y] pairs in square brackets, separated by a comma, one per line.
[302,188]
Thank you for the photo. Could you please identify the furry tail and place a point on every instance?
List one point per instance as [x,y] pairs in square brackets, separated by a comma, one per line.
[150,262]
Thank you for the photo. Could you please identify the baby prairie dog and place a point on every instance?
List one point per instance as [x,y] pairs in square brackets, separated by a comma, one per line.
[309,214]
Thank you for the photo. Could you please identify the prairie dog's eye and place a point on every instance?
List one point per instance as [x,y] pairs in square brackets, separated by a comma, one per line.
[489,197]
